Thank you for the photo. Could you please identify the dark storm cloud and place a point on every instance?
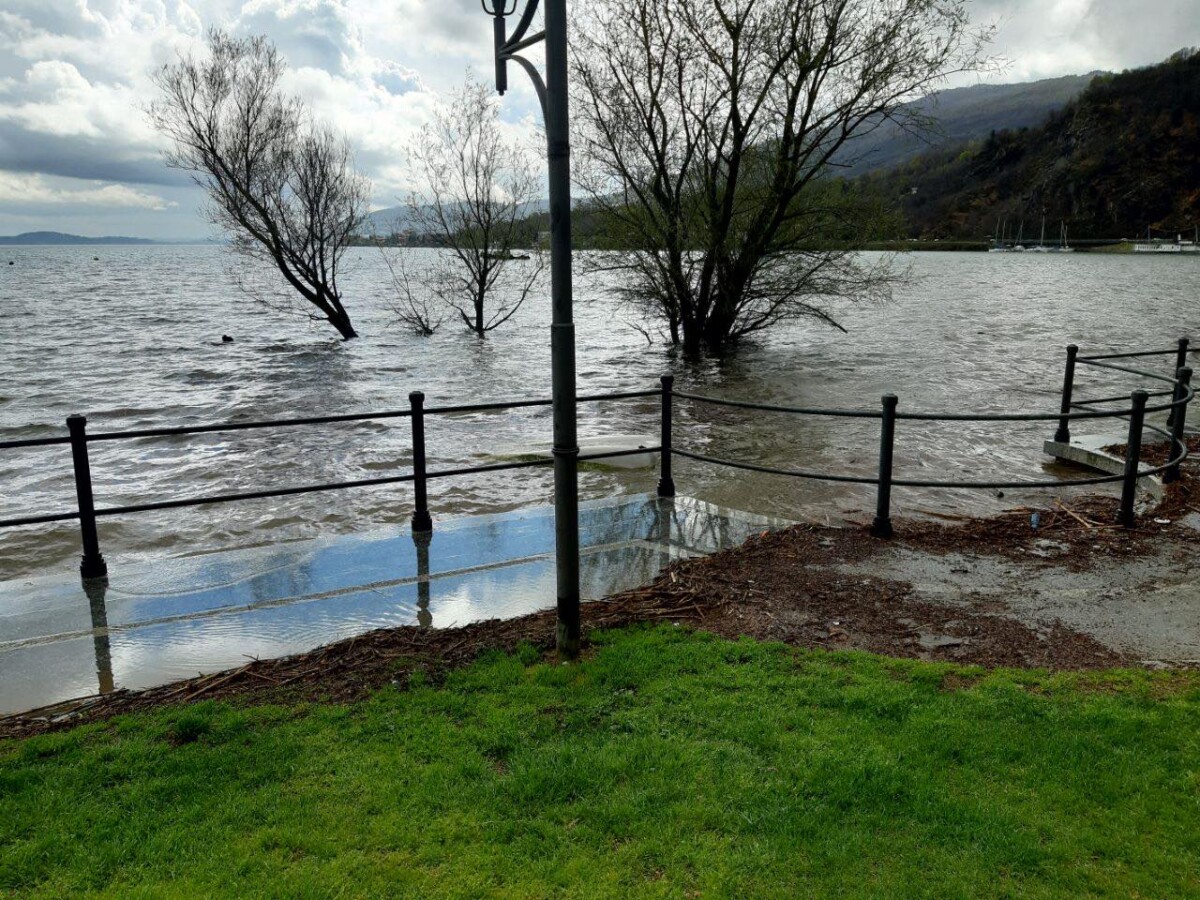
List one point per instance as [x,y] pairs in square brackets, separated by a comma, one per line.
[76,157]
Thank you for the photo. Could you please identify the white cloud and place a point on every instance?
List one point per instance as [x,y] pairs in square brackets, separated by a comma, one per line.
[309,33]
[26,190]
[55,99]
[75,77]
[1047,38]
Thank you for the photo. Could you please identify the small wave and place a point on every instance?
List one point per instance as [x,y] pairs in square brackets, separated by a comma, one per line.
[129,412]
[383,465]
[201,376]
[31,429]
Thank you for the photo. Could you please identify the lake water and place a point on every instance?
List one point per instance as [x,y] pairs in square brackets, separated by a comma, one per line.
[133,339]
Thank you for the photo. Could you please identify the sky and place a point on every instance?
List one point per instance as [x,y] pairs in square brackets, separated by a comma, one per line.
[77,153]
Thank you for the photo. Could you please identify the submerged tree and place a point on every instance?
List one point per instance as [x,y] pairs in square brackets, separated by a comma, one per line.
[283,189]
[415,306]
[706,133]
[477,190]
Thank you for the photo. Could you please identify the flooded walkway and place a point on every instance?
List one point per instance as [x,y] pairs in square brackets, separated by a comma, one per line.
[152,624]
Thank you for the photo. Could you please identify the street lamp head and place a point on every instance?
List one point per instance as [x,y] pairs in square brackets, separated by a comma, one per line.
[498,8]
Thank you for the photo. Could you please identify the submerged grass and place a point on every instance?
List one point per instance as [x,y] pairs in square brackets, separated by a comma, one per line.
[667,764]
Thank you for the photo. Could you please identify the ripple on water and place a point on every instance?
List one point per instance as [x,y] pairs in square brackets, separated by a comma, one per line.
[968,330]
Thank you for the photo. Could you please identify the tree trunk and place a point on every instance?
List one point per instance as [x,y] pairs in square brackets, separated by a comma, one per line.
[709,333]
[692,338]
[716,338]
[341,321]
[716,331]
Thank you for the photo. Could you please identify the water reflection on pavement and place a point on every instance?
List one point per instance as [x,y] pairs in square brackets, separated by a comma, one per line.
[154,624]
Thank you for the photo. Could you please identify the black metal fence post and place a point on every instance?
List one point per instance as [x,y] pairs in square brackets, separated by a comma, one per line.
[882,526]
[666,483]
[1063,434]
[1183,380]
[1181,362]
[1133,457]
[92,565]
[421,521]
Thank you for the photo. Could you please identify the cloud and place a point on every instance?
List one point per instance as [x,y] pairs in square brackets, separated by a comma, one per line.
[75,77]
[26,191]
[55,121]
[397,79]
[75,80]
[315,34]
[55,99]
[1046,38]
[106,40]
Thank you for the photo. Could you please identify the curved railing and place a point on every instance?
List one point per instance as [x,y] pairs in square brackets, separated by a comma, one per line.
[1071,410]
[1180,393]
[1179,447]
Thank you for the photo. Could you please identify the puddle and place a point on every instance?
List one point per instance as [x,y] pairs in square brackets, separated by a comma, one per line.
[153,624]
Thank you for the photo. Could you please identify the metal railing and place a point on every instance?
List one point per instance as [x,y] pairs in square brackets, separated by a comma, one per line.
[93,565]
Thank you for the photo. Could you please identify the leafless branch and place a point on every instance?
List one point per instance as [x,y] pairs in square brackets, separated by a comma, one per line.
[283,188]
[478,190]
[706,134]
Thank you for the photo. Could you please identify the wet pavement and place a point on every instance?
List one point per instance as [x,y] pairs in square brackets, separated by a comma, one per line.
[1147,608]
[150,624]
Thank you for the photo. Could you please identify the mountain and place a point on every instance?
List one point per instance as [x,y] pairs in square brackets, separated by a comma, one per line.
[1122,157]
[386,221]
[57,237]
[397,218]
[962,114]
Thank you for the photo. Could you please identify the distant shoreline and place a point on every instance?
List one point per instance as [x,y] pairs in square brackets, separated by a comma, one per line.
[58,239]
[62,239]
[1113,246]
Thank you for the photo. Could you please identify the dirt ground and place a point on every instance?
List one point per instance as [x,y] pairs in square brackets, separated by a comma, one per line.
[1076,592]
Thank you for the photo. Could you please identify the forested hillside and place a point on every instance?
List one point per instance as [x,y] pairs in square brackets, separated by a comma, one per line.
[962,114]
[1123,157]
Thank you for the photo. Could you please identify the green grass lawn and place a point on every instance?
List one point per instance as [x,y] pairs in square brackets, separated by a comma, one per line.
[668,764]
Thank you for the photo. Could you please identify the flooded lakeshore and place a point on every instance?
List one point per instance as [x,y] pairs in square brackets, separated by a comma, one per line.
[133,339]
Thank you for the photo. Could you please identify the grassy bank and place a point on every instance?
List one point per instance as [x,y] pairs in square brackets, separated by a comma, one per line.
[668,764]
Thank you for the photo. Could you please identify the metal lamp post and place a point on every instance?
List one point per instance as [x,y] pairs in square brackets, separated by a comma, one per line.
[552,93]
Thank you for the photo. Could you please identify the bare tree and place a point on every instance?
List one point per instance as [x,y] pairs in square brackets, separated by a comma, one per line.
[414,305]
[478,189]
[706,133]
[284,190]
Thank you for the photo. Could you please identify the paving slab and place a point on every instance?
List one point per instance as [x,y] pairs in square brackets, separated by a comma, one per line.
[1089,451]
